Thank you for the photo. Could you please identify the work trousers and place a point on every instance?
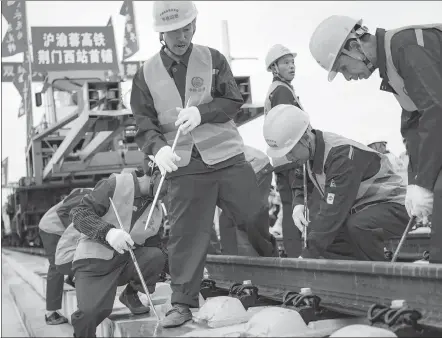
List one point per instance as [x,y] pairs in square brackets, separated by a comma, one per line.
[291,236]
[191,202]
[54,279]
[252,238]
[436,223]
[96,282]
[364,233]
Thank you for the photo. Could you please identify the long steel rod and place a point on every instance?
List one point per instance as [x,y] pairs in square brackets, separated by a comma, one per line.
[304,175]
[137,267]
[407,229]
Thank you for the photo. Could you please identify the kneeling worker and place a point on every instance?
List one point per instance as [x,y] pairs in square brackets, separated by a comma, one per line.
[51,227]
[363,200]
[102,261]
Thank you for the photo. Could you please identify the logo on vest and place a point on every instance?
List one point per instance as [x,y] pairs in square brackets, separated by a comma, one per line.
[197,84]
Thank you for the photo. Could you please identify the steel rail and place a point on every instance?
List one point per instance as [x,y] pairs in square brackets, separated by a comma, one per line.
[345,286]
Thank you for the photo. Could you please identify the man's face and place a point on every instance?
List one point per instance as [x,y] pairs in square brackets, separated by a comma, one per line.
[178,41]
[286,66]
[351,67]
[300,153]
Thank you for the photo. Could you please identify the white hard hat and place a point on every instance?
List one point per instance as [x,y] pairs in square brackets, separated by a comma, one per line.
[328,39]
[284,126]
[374,139]
[359,330]
[276,52]
[171,15]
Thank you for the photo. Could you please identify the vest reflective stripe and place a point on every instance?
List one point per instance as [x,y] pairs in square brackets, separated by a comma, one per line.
[385,186]
[216,142]
[394,79]
[123,199]
[51,223]
[279,161]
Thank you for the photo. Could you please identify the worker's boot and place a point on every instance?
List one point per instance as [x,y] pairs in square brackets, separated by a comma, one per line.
[129,297]
[55,319]
[177,316]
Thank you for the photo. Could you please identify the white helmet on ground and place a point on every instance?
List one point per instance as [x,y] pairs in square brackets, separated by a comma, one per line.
[284,126]
[329,38]
[171,15]
[276,52]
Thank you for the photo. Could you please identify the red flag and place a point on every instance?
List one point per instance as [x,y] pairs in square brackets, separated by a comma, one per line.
[16,38]
[130,45]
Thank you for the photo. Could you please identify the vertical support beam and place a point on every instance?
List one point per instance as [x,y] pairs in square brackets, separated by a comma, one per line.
[37,160]
[225,42]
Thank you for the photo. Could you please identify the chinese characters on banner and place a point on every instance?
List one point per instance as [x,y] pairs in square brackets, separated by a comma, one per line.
[15,40]
[73,48]
[4,172]
[131,68]
[10,69]
[130,45]
[22,82]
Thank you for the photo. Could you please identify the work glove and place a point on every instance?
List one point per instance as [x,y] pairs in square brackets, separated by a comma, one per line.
[165,160]
[188,119]
[419,203]
[298,217]
[120,240]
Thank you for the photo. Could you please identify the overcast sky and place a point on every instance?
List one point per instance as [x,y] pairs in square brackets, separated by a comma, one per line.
[352,109]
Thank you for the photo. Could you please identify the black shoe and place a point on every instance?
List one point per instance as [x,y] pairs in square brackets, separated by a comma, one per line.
[70,281]
[55,319]
[130,299]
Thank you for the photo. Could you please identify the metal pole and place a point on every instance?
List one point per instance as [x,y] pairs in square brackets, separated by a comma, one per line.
[410,222]
[304,176]
[137,267]
[175,141]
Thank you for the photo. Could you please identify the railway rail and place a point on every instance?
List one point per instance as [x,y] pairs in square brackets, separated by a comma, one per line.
[336,288]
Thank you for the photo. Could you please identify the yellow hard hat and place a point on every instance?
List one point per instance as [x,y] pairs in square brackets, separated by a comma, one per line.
[276,52]
[171,15]
[284,126]
[328,39]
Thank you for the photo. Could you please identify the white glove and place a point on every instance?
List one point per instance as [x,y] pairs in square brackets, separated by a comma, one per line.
[188,119]
[120,240]
[419,202]
[298,217]
[165,160]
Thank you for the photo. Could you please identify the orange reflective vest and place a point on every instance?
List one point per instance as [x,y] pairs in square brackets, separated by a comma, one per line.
[216,142]
[394,79]
[74,245]
[385,186]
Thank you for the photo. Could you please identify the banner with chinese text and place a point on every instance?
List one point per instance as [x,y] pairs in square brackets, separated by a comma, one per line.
[130,45]
[130,68]
[11,69]
[15,39]
[73,48]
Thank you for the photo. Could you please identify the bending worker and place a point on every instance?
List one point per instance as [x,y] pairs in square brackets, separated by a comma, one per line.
[51,227]
[362,199]
[281,62]
[252,238]
[209,166]
[409,63]
[102,261]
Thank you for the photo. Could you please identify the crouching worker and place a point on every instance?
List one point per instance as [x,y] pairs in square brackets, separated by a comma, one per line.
[102,262]
[252,238]
[51,227]
[362,199]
